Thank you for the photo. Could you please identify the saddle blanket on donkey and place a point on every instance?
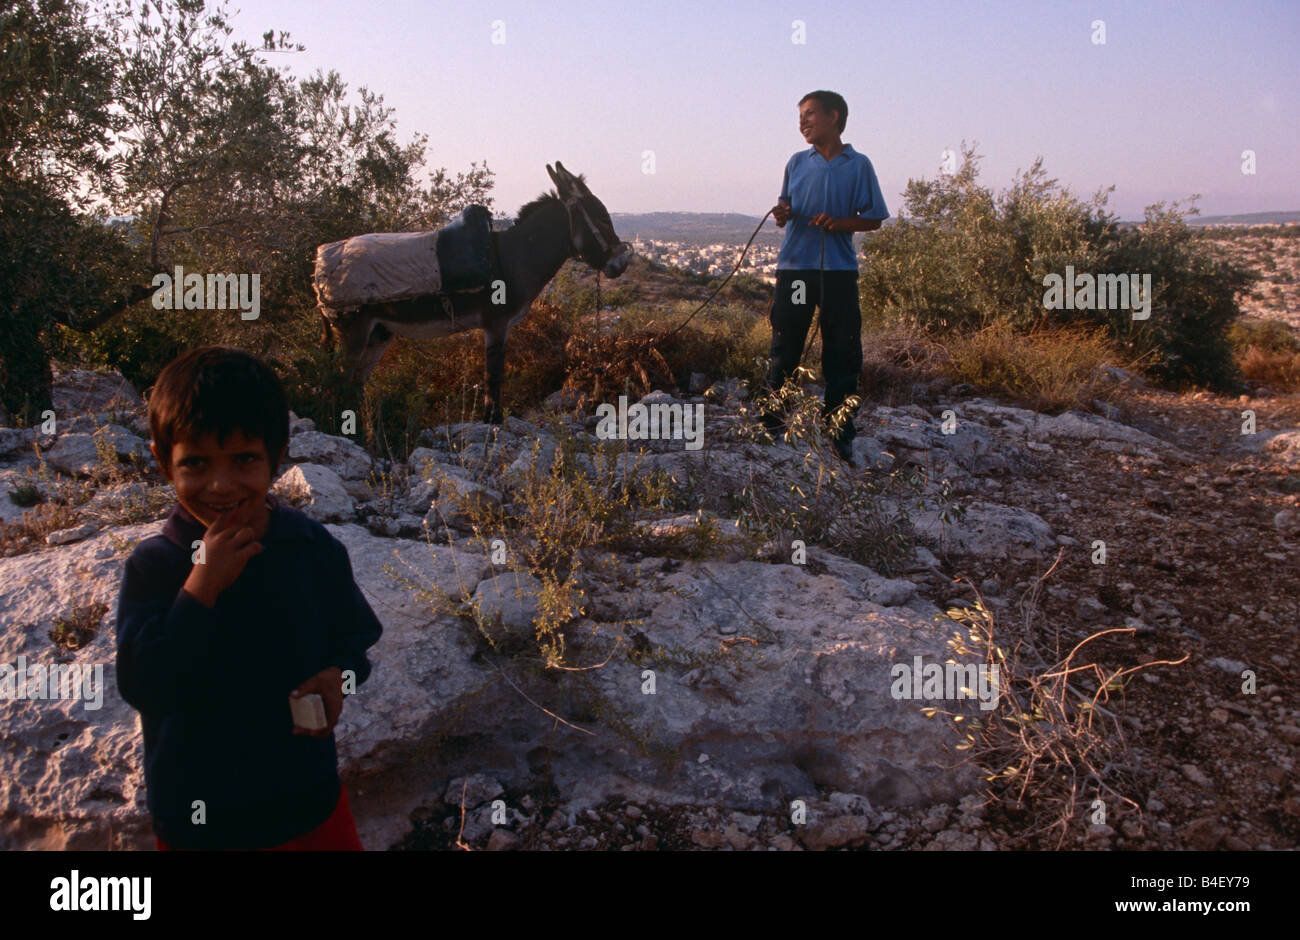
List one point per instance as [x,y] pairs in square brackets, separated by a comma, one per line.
[390,266]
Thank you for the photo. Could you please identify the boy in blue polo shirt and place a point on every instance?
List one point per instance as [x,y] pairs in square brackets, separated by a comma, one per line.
[239,606]
[830,191]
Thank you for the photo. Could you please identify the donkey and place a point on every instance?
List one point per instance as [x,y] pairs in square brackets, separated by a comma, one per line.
[549,230]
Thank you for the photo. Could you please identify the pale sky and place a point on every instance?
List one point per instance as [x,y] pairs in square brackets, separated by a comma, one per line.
[1163,109]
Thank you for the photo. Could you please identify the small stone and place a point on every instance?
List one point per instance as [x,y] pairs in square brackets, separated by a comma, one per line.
[738,840]
[892,593]
[1141,628]
[1289,733]
[708,838]
[1204,834]
[475,790]
[65,536]
[1090,609]
[936,818]
[839,832]
[1196,776]
[953,840]
[852,804]
[502,840]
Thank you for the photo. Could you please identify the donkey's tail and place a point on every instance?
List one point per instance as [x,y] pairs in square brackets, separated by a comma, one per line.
[326,334]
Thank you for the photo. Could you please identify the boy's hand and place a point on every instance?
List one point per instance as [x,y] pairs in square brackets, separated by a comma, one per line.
[328,684]
[227,546]
[781,213]
[828,222]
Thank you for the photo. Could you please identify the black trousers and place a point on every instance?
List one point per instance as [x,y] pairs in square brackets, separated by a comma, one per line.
[841,326]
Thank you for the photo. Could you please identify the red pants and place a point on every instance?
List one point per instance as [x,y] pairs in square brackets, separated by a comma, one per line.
[336,834]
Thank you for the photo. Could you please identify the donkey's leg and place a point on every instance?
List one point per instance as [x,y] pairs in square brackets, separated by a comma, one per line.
[353,332]
[350,334]
[326,334]
[494,338]
[380,339]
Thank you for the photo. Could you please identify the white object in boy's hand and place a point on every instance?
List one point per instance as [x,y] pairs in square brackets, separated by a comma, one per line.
[308,712]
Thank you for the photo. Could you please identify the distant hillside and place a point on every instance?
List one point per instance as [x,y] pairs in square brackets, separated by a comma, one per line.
[697,228]
[705,228]
[1250,218]
[694,228]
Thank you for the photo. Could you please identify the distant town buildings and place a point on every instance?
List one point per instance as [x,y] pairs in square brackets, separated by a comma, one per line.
[716,259]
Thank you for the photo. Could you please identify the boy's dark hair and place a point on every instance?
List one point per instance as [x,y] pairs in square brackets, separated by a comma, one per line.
[218,390]
[829,102]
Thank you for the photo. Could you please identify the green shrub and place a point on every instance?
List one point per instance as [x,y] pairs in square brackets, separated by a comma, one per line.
[960,258]
[1270,336]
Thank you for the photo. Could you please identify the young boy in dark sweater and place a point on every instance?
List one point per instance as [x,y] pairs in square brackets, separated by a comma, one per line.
[238,605]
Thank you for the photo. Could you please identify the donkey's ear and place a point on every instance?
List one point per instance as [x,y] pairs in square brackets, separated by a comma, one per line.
[573,180]
[559,179]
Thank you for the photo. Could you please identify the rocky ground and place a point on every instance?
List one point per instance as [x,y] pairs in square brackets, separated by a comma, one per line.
[1201,563]
[1200,524]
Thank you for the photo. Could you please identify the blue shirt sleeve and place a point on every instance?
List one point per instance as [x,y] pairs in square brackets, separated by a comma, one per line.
[162,640]
[355,628]
[785,185]
[868,200]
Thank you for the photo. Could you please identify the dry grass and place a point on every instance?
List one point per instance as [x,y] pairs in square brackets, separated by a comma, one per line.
[605,366]
[1267,352]
[572,510]
[893,358]
[645,350]
[1049,370]
[29,533]
[820,501]
[1051,748]
[55,502]
[1279,371]
[79,628]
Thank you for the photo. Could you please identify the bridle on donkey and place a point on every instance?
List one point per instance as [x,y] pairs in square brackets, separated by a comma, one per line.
[605,246]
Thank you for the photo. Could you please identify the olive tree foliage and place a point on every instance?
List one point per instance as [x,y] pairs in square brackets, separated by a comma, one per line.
[56,93]
[960,258]
[56,124]
[211,159]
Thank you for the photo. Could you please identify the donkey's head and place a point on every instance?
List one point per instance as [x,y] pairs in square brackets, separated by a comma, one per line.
[590,229]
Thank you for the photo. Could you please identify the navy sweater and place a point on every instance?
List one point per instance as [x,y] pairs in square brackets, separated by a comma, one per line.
[212,684]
